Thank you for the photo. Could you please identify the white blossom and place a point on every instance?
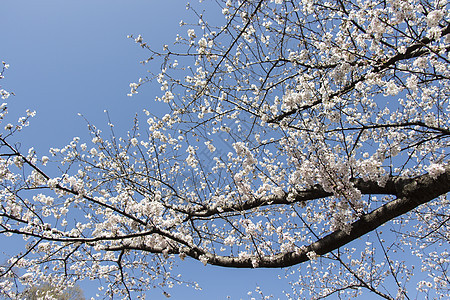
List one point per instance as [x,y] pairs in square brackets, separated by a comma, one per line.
[434,17]
[435,170]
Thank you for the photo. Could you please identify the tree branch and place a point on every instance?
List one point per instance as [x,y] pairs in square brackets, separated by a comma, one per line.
[411,194]
[315,192]
[411,52]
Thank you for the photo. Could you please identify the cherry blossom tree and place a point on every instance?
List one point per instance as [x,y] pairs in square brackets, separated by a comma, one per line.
[299,134]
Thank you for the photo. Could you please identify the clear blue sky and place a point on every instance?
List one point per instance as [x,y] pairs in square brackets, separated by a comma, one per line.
[69,57]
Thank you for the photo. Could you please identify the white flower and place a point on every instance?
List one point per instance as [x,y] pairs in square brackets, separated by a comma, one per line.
[96,140]
[134,142]
[255,262]
[191,33]
[312,255]
[203,43]
[156,134]
[240,148]
[191,160]
[52,182]
[4,94]
[168,96]
[133,87]
[138,39]
[435,170]
[44,160]
[420,62]
[412,82]
[210,146]
[434,17]
[47,200]
[392,89]
[27,276]
[204,259]
[229,240]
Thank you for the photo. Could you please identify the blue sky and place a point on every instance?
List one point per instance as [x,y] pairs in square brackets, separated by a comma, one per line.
[69,57]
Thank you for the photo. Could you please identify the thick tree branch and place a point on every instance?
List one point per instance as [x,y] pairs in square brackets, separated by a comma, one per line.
[315,192]
[411,194]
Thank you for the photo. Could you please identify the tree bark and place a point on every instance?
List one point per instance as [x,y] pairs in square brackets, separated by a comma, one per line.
[411,194]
